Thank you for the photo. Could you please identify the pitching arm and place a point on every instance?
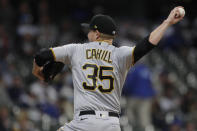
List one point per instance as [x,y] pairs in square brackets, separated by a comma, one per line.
[155,36]
[173,18]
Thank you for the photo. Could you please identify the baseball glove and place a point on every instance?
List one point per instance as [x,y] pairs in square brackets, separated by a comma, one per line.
[51,69]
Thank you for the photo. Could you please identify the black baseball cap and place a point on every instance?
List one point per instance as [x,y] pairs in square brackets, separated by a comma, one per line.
[103,23]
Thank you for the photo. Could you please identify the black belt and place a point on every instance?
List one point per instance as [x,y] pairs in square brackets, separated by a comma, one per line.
[92,112]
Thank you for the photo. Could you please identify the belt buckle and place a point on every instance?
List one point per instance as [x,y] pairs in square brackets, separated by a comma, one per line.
[101,114]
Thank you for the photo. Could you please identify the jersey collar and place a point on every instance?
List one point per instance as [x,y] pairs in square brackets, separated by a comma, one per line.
[103,42]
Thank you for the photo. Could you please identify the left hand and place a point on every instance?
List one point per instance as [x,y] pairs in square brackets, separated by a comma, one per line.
[174,16]
[37,71]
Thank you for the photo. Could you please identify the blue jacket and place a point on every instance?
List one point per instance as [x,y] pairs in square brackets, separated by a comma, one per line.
[138,83]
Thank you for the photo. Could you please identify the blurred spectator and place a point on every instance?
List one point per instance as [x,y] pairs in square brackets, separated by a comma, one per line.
[4,119]
[169,102]
[67,34]
[48,32]
[26,21]
[43,8]
[188,100]
[28,46]
[175,127]
[37,90]
[173,39]
[5,42]
[51,109]
[190,126]
[66,95]
[46,98]
[140,92]
[7,14]
[5,100]
[16,90]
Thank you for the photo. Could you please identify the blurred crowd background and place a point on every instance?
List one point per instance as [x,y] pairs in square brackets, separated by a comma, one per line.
[160,92]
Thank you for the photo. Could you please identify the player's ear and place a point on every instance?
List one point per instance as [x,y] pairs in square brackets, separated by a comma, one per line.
[97,34]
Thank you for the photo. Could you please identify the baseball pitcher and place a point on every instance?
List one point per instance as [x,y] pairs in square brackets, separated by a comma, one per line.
[99,70]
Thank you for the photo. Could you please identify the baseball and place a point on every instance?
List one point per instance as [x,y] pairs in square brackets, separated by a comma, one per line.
[181,11]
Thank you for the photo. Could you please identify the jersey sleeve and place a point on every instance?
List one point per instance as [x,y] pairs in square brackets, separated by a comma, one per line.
[126,57]
[64,53]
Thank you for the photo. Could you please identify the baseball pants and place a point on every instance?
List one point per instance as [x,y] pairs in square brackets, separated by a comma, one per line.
[101,121]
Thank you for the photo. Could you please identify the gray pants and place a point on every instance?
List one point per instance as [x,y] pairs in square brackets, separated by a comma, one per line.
[139,110]
[93,123]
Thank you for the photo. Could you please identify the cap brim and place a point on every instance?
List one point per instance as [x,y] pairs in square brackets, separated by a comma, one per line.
[85,27]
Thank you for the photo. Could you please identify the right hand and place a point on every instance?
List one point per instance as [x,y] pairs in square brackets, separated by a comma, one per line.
[37,71]
[172,18]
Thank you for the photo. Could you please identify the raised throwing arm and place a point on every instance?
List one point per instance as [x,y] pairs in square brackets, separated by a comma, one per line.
[158,33]
[147,44]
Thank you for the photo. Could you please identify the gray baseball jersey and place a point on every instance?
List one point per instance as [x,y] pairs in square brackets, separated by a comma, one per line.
[98,71]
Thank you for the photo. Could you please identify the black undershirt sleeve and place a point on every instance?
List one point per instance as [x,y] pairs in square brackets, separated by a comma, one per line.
[44,56]
[142,48]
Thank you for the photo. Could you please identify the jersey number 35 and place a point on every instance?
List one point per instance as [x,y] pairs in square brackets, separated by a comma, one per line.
[102,77]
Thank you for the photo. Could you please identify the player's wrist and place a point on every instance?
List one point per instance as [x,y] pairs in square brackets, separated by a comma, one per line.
[167,22]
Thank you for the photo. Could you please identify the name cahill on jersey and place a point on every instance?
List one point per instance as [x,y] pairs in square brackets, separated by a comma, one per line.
[100,54]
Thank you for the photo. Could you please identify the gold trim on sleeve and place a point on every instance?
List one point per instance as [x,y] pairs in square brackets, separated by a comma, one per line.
[132,56]
[53,53]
